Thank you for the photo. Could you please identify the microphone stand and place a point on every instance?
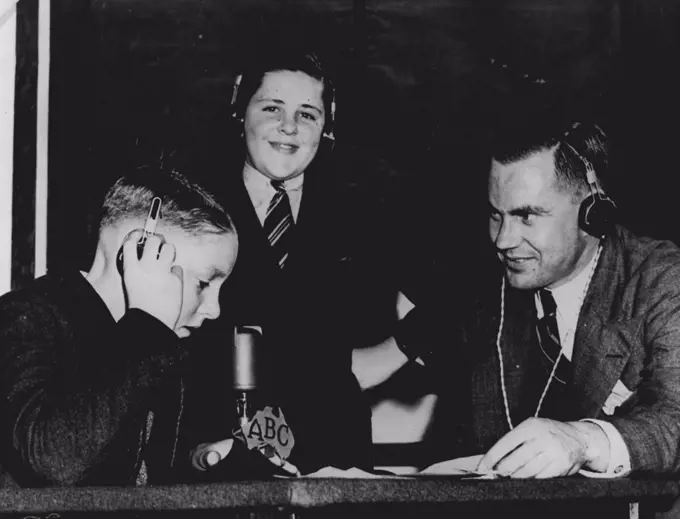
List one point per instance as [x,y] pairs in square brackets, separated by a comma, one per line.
[245,369]
[242,408]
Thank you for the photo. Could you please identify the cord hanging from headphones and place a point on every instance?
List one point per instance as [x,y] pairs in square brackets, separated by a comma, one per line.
[499,350]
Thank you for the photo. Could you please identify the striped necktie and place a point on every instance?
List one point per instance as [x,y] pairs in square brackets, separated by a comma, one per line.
[278,223]
[549,337]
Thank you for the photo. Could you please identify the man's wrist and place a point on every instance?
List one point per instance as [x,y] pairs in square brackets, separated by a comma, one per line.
[596,446]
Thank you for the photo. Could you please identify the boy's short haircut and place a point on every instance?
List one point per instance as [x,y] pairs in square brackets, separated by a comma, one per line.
[184,205]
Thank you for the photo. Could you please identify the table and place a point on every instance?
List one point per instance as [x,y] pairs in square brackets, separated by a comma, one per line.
[355,497]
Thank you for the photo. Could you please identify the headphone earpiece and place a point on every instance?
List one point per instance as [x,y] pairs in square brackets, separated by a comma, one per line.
[597,213]
[330,126]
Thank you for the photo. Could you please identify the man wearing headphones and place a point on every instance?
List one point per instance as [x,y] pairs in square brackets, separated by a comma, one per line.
[549,222]
[567,358]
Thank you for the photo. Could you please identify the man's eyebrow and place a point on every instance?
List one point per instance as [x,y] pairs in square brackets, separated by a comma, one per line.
[522,210]
[529,209]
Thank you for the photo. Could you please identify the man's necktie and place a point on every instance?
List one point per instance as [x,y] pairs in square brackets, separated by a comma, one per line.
[278,223]
[549,337]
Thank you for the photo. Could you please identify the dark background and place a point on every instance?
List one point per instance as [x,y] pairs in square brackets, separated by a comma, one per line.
[419,83]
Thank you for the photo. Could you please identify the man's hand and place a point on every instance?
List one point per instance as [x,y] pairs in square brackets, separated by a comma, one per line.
[542,448]
[153,283]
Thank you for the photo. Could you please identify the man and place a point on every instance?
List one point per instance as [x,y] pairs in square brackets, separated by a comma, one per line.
[569,359]
[91,389]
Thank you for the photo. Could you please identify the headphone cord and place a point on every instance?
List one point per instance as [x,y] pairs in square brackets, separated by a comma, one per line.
[504,391]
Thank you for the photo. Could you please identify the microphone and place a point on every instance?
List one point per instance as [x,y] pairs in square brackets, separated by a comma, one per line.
[244,362]
[244,383]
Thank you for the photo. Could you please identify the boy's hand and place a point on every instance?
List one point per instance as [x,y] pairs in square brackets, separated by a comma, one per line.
[152,282]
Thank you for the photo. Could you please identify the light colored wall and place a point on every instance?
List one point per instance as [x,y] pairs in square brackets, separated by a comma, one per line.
[8,23]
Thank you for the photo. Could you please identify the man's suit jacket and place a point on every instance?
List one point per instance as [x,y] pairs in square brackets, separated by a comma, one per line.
[337,291]
[628,329]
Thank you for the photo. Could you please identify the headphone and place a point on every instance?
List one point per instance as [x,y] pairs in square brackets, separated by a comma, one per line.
[597,212]
[328,129]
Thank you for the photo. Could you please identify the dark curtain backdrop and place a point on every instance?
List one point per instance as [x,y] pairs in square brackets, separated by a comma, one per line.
[419,84]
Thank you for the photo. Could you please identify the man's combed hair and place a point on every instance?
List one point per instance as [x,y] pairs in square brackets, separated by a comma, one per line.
[184,205]
[573,146]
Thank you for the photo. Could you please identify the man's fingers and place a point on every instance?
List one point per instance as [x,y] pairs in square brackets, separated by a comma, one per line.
[535,447]
[551,470]
[518,458]
[500,450]
[529,465]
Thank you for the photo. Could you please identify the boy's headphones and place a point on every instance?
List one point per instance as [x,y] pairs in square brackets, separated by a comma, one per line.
[597,212]
[329,124]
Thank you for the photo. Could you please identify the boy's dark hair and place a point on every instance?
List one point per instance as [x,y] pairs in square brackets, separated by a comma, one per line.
[184,205]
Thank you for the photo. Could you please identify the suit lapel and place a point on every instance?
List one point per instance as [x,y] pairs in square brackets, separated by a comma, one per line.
[601,343]
[520,351]
[255,260]
[314,221]
[298,240]
[489,420]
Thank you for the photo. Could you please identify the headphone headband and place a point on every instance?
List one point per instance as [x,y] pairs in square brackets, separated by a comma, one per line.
[234,92]
[591,177]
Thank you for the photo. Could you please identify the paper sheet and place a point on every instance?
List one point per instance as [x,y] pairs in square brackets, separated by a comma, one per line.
[353,473]
[459,467]
[466,467]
